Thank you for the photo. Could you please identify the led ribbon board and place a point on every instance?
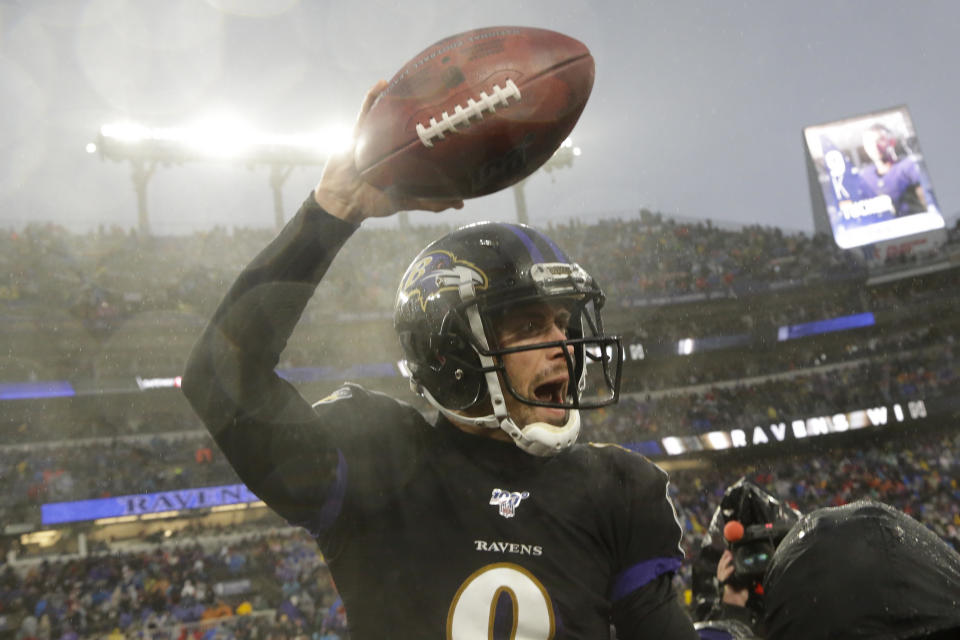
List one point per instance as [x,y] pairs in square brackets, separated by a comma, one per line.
[146,503]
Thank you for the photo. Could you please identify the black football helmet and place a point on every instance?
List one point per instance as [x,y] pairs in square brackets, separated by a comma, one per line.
[448,303]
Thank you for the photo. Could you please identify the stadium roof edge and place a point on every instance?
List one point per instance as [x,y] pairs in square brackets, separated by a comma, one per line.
[899,274]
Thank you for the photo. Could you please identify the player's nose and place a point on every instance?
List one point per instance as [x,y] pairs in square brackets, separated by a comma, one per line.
[557,334]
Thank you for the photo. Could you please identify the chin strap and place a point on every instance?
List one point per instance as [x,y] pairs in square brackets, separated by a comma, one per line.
[544,439]
[537,438]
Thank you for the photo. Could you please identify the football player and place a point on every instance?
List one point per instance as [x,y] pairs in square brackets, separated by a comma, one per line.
[895,174]
[492,522]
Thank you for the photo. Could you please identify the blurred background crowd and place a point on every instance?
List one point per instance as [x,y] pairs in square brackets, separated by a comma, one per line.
[105,311]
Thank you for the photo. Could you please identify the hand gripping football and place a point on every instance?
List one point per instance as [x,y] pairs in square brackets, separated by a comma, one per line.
[475,113]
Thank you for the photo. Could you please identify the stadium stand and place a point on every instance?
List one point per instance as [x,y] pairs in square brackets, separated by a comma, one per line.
[98,326]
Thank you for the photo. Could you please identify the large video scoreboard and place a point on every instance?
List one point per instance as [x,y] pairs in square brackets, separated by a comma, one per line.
[869,182]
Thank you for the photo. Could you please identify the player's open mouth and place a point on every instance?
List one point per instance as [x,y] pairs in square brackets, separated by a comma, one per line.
[553,391]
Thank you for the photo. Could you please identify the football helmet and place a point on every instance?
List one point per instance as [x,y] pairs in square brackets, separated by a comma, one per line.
[447,308]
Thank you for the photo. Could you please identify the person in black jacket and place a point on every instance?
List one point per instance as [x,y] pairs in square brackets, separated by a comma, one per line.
[862,570]
[492,521]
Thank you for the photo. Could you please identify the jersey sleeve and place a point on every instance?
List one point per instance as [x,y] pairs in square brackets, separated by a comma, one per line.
[647,553]
[279,446]
[649,544]
[378,443]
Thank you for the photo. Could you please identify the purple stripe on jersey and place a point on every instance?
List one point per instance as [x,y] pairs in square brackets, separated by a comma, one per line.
[334,502]
[640,574]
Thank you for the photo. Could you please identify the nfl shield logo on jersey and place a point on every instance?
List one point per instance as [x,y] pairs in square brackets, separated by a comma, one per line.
[508,501]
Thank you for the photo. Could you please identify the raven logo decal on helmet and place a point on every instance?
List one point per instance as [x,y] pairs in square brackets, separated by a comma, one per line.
[438,271]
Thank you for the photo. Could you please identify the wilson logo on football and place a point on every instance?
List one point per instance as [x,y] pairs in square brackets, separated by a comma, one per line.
[462,115]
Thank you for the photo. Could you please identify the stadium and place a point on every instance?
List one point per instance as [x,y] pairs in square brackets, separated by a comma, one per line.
[823,374]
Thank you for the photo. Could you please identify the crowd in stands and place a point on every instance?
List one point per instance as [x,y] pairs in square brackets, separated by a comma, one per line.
[104,467]
[655,256]
[110,467]
[277,586]
[100,277]
[663,376]
[741,404]
[68,294]
[265,586]
[101,280]
[920,477]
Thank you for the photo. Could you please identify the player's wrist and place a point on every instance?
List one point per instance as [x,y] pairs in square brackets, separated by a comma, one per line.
[339,205]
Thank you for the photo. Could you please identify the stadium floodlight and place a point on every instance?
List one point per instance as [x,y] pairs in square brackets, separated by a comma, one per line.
[562,158]
[220,138]
[126,132]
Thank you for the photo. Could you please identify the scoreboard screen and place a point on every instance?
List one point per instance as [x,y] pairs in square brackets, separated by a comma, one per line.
[872,177]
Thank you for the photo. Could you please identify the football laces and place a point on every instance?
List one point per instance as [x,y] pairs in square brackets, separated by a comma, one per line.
[462,115]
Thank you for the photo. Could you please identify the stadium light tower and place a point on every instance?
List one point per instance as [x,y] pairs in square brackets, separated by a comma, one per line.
[217,141]
[562,158]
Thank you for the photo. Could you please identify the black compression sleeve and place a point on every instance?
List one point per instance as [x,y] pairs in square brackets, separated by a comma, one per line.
[262,424]
[263,305]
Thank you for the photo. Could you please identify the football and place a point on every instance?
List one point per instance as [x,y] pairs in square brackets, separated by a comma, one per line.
[475,112]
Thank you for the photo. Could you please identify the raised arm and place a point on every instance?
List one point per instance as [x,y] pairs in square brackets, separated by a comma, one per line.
[269,433]
[262,424]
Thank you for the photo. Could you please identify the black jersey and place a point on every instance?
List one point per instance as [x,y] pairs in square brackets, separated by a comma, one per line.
[430,532]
